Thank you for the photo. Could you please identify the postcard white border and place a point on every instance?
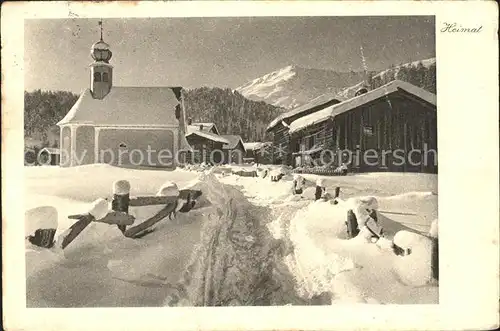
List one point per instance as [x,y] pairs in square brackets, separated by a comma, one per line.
[467,84]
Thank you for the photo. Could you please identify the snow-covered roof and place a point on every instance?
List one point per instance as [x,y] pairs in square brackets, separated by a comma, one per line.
[352,103]
[324,99]
[206,126]
[148,106]
[253,146]
[233,141]
[51,150]
[206,135]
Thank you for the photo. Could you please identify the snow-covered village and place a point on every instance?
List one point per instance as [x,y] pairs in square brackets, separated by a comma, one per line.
[239,161]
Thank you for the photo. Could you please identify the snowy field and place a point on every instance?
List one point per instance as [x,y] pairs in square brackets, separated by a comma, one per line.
[101,268]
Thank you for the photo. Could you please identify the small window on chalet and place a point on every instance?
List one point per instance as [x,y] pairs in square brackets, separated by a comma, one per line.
[122,145]
[312,141]
[105,77]
[97,76]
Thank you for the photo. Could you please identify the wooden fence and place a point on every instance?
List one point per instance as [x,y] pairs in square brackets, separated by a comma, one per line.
[179,201]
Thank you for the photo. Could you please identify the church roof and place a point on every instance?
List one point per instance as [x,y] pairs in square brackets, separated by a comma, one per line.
[141,106]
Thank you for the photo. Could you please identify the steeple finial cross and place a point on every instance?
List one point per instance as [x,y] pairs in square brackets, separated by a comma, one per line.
[100,25]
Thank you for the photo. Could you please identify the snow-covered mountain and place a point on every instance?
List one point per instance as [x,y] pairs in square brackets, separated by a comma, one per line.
[349,92]
[293,86]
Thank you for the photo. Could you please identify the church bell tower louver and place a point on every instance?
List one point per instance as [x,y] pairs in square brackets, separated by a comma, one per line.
[101,72]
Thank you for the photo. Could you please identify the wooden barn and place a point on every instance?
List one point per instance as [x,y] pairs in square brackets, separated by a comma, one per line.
[281,151]
[234,151]
[391,128]
[206,146]
[258,152]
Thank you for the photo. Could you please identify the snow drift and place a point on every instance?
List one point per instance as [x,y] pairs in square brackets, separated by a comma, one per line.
[323,260]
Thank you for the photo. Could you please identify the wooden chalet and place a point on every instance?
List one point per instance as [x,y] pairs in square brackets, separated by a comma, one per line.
[204,139]
[282,151]
[234,151]
[391,128]
[258,152]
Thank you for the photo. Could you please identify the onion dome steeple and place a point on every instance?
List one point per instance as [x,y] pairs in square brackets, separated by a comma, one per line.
[100,50]
[101,72]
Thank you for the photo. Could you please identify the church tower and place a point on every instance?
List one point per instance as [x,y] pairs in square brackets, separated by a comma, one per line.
[101,72]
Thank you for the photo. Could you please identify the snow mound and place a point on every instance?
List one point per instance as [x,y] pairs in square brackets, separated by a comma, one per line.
[416,267]
[44,217]
[169,189]
[316,266]
[99,208]
[353,270]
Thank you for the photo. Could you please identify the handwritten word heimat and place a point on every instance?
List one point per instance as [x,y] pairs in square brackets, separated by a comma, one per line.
[454,28]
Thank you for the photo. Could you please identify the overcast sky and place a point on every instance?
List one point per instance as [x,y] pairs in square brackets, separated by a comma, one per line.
[223,52]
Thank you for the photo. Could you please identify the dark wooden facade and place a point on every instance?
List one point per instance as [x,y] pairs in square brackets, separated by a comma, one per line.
[399,131]
[261,155]
[234,154]
[202,149]
[282,150]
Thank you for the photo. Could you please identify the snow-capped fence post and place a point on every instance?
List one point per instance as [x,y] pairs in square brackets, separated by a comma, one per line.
[42,223]
[98,209]
[320,189]
[121,199]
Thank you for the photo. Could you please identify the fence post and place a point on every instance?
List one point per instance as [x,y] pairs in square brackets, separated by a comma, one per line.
[121,199]
[46,218]
[352,224]
[435,258]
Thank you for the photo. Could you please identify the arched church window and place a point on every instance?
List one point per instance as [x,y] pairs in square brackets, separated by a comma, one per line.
[97,76]
[105,77]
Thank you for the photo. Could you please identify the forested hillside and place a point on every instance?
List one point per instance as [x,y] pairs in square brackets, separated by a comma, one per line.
[43,109]
[231,112]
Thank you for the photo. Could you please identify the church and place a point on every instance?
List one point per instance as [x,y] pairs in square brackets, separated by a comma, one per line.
[121,125]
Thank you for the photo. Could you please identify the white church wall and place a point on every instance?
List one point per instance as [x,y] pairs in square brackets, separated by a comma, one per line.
[138,146]
[84,147]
